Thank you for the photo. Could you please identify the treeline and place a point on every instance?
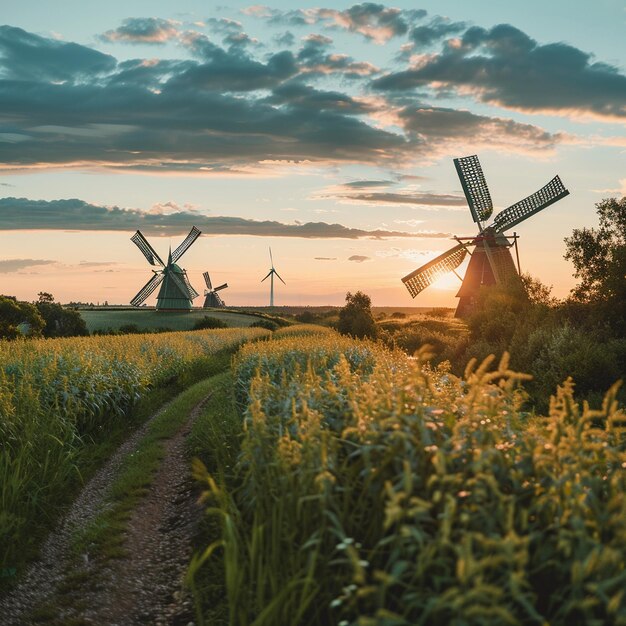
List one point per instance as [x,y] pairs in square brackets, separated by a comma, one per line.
[43,318]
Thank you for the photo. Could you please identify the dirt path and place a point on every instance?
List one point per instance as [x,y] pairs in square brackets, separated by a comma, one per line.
[144,588]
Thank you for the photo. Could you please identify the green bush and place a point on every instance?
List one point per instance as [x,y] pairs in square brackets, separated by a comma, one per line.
[208,322]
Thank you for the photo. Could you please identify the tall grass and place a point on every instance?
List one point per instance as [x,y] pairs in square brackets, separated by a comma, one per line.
[373,490]
[57,396]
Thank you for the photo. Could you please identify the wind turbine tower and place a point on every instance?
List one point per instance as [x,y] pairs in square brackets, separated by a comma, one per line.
[270,275]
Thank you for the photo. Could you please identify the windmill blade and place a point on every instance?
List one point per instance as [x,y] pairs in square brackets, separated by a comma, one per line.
[220,302]
[426,275]
[147,289]
[518,212]
[147,250]
[474,187]
[268,274]
[271,259]
[183,285]
[221,287]
[193,293]
[194,233]
[207,280]
[278,276]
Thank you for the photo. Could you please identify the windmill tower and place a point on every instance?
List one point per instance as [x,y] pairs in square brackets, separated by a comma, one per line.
[212,298]
[270,275]
[491,261]
[176,293]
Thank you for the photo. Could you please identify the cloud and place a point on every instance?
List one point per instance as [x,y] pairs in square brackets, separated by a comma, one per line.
[439,27]
[375,22]
[9,266]
[77,215]
[366,184]
[28,57]
[150,30]
[358,258]
[224,112]
[325,258]
[504,66]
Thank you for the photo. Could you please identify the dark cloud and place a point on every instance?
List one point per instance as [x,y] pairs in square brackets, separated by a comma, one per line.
[314,56]
[77,215]
[437,125]
[375,22]
[300,96]
[504,66]
[28,57]
[415,198]
[366,184]
[224,25]
[8,266]
[439,27]
[150,30]
[359,258]
[325,258]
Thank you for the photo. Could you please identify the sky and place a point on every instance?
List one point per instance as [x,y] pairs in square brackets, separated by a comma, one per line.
[326,131]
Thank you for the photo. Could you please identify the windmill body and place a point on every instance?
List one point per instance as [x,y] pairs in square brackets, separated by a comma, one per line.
[176,292]
[491,262]
[270,275]
[212,297]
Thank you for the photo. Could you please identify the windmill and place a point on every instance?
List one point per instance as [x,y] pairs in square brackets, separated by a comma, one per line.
[270,275]
[176,293]
[212,299]
[491,261]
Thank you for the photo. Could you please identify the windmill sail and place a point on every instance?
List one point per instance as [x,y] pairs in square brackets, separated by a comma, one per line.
[207,280]
[147,289]
[192,292]
[474,187]
[194,233]
[426,275]
[518,212]
[148,251]
[224,286]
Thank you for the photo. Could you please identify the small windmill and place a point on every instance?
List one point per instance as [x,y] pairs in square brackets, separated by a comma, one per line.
[491,261]
[176,293]
[270,275]
[212,298]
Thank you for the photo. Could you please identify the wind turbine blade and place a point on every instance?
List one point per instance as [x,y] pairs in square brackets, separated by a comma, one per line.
[426,275]
[147,289]
[278,276]
[146,249]
[221,287]
[194,233]
[268,275]
[474,187]
[207,280]
[271,259]
[518,212]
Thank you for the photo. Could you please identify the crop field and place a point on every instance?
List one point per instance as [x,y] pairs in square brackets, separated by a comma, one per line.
[370,489]
[58,395]
[344,482]
[149,319]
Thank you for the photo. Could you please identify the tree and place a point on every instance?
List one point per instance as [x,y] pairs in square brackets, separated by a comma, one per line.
[60,322]
[45,297]
[599,258]
[19,319]
[356,318]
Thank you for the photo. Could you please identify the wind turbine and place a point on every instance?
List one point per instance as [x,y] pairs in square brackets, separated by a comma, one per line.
[270,275]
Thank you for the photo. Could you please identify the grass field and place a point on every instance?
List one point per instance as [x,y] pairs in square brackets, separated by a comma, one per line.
[149,319]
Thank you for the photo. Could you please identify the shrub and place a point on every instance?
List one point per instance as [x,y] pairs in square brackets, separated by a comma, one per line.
[208,323]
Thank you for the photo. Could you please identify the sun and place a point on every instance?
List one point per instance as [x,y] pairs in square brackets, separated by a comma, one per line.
[448,282]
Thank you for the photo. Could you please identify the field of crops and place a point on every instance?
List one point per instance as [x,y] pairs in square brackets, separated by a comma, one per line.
[370,489]
[58,395]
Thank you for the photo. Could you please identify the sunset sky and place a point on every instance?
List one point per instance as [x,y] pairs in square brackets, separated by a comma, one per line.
[325,132]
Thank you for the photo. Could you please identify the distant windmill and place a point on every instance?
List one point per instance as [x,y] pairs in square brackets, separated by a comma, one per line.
[491,261]
[270,275]
[212,297]
[176,293]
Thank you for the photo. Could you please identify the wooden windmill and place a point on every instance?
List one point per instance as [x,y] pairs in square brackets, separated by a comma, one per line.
[491,262]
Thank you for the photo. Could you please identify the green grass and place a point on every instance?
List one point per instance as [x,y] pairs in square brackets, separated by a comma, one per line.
[149,319]
[214,441]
